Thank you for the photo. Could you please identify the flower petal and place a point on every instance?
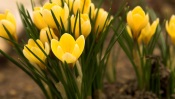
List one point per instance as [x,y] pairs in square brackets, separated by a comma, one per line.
[67,42]
[81,43]
[69,58]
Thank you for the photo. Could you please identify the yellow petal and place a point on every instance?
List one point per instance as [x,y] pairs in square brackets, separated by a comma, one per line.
[10,27]
[47,48]
[57,10]
[57,2]
[69,58]
[129,31]
[138,10]
[31,42]
[154,26]
[47,16]
[28,55]
[172,19]
[2,16]
[10,17]
[38,20]
[40,44]
[76,51]
[47,34]
[81,43]
[76,6]
[55,47]
[67,42]
[49,5]
[86,28]
[130,19]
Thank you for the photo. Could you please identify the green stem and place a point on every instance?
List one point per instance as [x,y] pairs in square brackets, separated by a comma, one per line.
[137,61]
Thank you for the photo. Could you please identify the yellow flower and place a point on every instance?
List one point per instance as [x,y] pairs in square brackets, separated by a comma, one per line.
[82,5]
[137,20]
[68,2]
[8,20]
[85,25]
[102,20]
[67,49]
[47,33]
[59,2]
[37,51]
[59,12]
[148,31]
[38,19]
[92,10]
[170,27]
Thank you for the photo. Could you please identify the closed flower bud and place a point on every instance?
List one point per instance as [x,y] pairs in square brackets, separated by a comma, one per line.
[85,25]
[60,13]
[68,2]
[31,49]
[46,34]
[137,20]
[67,49]
[38,18]
[59,2]
[82,5]
[148,31]
[92,10]
[7,19]
[102,20]
[170,27]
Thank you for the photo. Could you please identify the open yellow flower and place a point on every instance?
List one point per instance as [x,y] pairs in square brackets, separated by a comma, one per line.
[67,49]
[85,25]
[82,5]
[148,31]
[137,20]
[37,51]
[60,13]
[8,20]
[38,18]
[170,27]
[46,34]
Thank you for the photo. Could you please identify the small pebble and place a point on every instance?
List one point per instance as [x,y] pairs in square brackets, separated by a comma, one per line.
[13,92]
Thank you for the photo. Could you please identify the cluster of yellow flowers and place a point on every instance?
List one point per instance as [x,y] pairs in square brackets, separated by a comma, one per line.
[71,14]
[78,16]
[139,27]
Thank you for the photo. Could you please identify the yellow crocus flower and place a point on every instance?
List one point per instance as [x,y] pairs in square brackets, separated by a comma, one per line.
[8,20]
[59,2]
[137,20]
[68,2]
[92,10]
[38,18]
[47,33]
[82,5]
[37,51]
[170,27]
[59,12]
[85,25]
[102,20]
[148,31]
[67,49]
